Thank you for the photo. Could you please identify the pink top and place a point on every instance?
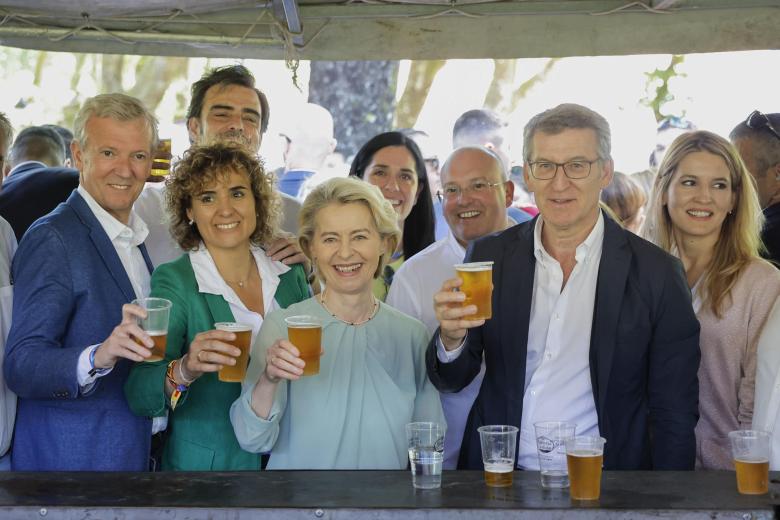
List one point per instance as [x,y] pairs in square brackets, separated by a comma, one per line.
[727,373]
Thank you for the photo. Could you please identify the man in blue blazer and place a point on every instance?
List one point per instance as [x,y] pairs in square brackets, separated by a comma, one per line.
[71,343]
[37,181]
[591,324]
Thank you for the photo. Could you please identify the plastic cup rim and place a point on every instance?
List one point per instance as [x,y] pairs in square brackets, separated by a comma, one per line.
[165,303]
[303,321]
[232,326]
[475,266]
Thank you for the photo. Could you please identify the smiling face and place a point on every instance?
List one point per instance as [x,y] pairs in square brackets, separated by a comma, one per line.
[568,206]
[346,247]
[114,162]
[699,196]
[484,195]
[392,169]
[224,212]
[230,113]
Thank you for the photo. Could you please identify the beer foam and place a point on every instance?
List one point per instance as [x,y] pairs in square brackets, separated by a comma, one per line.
[156,332]
[474,266]
[232,327]
[585,453]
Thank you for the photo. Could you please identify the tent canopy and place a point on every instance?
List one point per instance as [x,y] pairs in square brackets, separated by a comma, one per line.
[390,29]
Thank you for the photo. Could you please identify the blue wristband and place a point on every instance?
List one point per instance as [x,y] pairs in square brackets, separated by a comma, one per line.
[92,370]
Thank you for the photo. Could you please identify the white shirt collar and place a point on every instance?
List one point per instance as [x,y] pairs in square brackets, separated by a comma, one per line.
[211,282]
[453,243]
[589,248]
[135,232]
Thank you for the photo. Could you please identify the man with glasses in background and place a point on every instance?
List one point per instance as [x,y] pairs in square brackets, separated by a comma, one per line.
[758,141]
[591,324]
[474,195]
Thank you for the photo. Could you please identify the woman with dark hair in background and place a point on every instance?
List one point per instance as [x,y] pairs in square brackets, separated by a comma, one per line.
[393,162]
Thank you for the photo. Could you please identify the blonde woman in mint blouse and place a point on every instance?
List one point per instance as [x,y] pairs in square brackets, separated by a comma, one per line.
[372,378]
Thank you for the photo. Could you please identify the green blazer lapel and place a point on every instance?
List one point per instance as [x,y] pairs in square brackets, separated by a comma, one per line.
[220,309]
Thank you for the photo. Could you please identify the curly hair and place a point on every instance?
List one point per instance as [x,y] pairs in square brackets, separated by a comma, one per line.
[204,165]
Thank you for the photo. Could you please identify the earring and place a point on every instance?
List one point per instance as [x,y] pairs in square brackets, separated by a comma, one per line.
[191,222]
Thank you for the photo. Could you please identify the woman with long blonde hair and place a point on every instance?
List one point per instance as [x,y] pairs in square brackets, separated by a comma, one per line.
[705,210]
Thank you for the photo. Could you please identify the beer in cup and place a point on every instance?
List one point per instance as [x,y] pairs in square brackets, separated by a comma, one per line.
[584,457]
[426,453]
[478,287]
[551,447]
[161,163]
[750,449]
[236,373]
[305,332]
[499,444]
[155,324]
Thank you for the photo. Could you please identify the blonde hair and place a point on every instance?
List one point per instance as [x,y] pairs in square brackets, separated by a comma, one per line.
[349,190]
[740,234]
[120,107]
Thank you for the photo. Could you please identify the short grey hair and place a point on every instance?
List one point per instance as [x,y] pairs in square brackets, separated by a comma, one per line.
[120,107]
[568,116]
[480,149]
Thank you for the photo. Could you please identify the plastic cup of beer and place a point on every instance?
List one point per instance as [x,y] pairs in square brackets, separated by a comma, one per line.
[236,373]
[158,310]
[499,444]
[478,287]
[585,457]
[750,449]
[305,332]
[551,447]
[161,163]
[426,453]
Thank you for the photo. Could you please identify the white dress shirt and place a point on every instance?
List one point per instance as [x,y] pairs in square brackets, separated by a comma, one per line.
[125,239]
[557,377]
[211,282]
[766,408]
[411,292]
[7,398]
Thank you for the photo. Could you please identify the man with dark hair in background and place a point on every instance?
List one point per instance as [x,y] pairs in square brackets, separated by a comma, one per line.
[37,180]
[758,141]
[225,105]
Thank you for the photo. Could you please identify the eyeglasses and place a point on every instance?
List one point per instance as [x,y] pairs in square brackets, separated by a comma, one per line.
[758,121]
[546,170]
[453,191]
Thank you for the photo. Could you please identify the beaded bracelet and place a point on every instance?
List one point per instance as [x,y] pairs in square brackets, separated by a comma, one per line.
[177,388]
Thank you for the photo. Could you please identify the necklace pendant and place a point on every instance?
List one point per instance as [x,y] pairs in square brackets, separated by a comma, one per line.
[241,284]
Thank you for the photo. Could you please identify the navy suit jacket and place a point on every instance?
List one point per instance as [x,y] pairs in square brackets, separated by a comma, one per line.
[33,190]
[644,350]
[69,288]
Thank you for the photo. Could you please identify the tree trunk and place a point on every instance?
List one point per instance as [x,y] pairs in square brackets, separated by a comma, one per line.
[111,72]
[421,77]
[40,62]
[359,94]
[153,76]
[502,96]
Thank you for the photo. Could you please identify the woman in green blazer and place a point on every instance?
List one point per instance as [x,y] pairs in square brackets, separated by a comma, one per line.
[222,207]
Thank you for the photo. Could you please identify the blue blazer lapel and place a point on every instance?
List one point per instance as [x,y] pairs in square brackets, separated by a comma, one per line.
[103,245]
[610,287]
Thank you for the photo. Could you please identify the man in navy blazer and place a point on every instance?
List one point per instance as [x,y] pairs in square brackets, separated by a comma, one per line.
[590,325]
[37,181]
[71,343]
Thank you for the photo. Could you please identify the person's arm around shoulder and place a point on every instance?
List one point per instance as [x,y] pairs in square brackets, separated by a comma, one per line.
[673,383]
